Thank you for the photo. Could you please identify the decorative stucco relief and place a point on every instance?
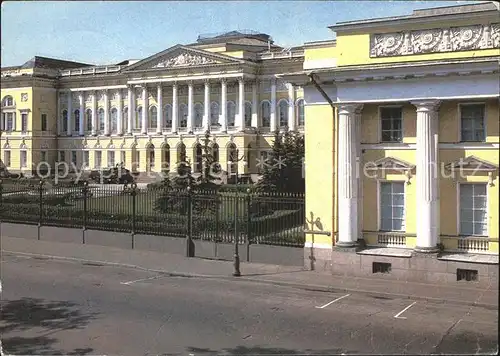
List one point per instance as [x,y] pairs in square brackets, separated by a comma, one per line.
[185,59]
[435,40]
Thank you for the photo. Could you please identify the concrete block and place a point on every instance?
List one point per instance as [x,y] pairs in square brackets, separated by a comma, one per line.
[25,231]
[277,255]
[345,258]
[61,234]
[428,264]
[205,249]
[108,238]
[157,243]
[396,262]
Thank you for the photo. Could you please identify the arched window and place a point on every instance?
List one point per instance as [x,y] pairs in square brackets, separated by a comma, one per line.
[283,112]
[165,158]
[65,120]
[214,113]
[138,116]
[198,115]
[215,152]
[181,153]
[101,120]
[150,156]
[231,113]
[125,118]
[153,114]
[183,114]
[88,119]
[167,116]
[114,120]
[300,112]
[77,120]
[8,101]
[248,114]
[265,113]
[198,158]
[250,157]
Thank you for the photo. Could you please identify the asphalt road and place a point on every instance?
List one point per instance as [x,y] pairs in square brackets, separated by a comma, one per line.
[55,307]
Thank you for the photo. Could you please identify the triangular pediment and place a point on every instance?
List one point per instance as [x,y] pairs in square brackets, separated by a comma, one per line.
[472,163]
[182,57]
[391,163]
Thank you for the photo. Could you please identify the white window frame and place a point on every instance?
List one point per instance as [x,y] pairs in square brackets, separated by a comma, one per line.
[23,152]
[380,123]
[228,116]
[285,112]
[85,159]
[379,210]
[113,130]
[458,210]
[6,161]
[101,120]
[152,120]
[297,111]
[166,117]
[261,112]
[110,154]
[459,119]
[97,166]
[23,113]
[247,104]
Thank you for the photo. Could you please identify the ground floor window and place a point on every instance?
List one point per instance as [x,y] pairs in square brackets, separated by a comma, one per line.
[392,206]
[24,159]
[111,158]
[85,161]
[473,210]
[97,159]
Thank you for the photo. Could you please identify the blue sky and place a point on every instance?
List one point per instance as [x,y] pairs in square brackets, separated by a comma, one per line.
[106,32]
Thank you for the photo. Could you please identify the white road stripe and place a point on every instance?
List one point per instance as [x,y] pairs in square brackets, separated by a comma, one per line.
[333,301]
[402,311]
[142,279]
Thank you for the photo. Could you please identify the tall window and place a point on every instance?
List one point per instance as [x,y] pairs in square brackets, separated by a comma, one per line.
[77,120]
[392,206]
[392,124]
[198,115]
[24,158]
[97,159]
[101,120]
[167,117]
[183,114]
[65,120]
[153,115]
[125,118]
[181,153]
[89,119]
[62,156]
[248,114]
[214,113]
[24,122]
[300,112]
[123,157]
[265,113]
[73,157]
[472,122]
[43,156]
[111,158]
[6,158]
[9,119]
[473,210]
[85,160]
[198,158]
[138,116]
[114,121]
[283,113]
[231,113]
[44,124]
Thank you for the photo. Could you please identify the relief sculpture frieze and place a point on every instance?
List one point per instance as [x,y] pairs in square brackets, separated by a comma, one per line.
[451,39]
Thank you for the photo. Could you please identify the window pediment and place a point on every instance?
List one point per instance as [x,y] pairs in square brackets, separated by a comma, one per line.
[391,164]
[472,163]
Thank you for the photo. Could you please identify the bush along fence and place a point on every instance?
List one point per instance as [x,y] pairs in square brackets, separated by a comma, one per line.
[257,218]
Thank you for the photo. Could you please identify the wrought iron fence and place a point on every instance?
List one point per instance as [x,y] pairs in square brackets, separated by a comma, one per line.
[217,216]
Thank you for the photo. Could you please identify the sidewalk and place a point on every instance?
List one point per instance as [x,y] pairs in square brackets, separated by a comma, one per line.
[272,274]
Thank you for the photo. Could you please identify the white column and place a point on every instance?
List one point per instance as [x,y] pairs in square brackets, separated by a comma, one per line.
[131,109]
[240,124]
[427,177]
[81,128]
[190,108]
[175,109]
[223,105]
[292,123]
[273,106]
[106,112]
[347,182]
[94,113]
[159,113]
[206,115]
[145,109]
[255,111]
[70,112]
[359,171]
[119,118]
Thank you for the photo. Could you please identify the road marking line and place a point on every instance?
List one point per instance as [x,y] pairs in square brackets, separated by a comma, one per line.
[333,301]
[397,316]
[142,279]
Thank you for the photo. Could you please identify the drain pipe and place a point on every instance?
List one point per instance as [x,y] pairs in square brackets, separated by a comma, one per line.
[335,145]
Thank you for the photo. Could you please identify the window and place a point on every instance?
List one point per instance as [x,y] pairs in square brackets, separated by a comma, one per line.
[183,112]
[167,117]
[153,115]
[24,159]
[114,121]
[248,114]
[111,158]
[77,120]
[300,112]
[198,158]
[6,158]
[214,113]
[265,113]
[198,115]
[101,120]
[85,161]
[43,156]
[473,210]
[89,120]
[392,124]
[123,157]
[472,122]
[283,113]
[9,119]
[73,157]
[392,206]
[231,113]
[44,122]
[8,101]
[125,118]
[62,156]
[24,122]
[138,116]
[97,159]
[65,120]
[181,153]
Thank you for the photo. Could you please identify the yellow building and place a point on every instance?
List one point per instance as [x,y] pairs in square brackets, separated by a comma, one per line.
[152,113]
[402,139]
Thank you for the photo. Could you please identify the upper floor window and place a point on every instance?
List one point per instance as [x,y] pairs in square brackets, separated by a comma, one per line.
[125,118]
[300,112]
[198,115]
[44,123]
[153,115]
[214,113]
[283,113]
[392,206]
[167,118]
[392,124]
[89,119]
[248,114]
[65,120]
[101,120]
[77,120]
[24,122]
[265,113]
[183,114]
[473,210]
[9,121]
[231,114]
[472,122]
[6,158]
[138,116]
[114,120]
[8,101]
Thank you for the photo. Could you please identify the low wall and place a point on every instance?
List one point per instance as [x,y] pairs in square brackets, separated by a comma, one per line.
[279,255]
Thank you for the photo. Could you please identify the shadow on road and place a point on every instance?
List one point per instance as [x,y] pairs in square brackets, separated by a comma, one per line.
[19,317]
[258,350]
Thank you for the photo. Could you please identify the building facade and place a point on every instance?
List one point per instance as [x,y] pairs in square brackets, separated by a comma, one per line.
[402,139]
[152,113]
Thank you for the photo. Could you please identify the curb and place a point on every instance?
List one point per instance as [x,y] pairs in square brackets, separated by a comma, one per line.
[307,287]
